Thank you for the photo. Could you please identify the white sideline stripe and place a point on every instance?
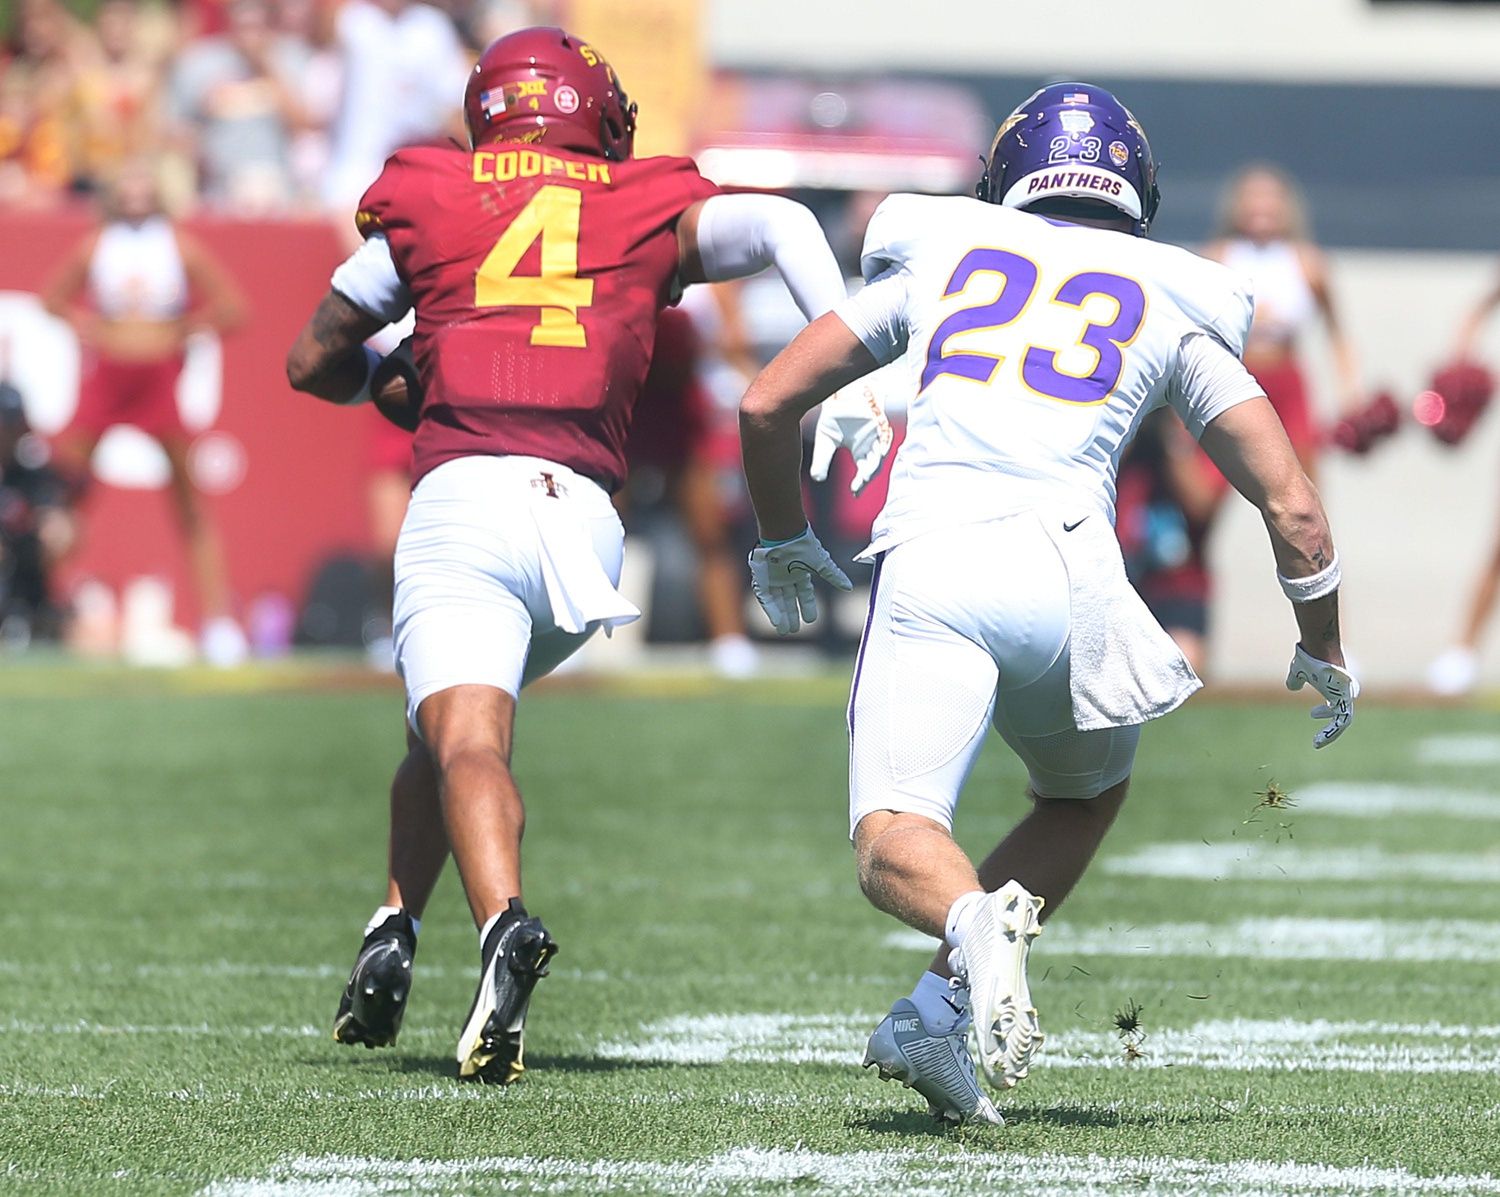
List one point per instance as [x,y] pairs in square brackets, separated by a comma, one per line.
[910,1171]
[1466,940]
[1240,1044]
[1471,749]
[1362,800]
[1270,862]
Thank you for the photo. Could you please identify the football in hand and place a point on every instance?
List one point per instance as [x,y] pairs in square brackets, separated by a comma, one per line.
[396,388]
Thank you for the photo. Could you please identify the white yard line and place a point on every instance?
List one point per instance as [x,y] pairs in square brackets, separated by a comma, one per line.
[1286,1044]
[1465,749]
[913,1172]
[1375,800]
[1467,940]
[1261,861]
[745,1039]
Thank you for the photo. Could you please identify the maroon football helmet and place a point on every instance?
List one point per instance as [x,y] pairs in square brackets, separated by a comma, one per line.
[545,86]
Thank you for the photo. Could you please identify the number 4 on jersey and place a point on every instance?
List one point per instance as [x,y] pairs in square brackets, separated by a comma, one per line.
[552,215]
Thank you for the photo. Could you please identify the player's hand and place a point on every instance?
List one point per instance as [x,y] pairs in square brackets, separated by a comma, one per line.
[1338,687]
[782,578]
[852,419]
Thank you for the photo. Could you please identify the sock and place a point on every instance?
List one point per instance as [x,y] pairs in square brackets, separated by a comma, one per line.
[961,917]
[935,1001]
[384,912]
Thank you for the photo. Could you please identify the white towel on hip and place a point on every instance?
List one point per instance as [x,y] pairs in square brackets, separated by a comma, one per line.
[578,590]
[1124,668]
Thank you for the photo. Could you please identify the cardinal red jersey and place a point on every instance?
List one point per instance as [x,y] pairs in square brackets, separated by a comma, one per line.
[537,279]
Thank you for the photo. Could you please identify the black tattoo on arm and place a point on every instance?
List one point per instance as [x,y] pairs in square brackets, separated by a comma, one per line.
[327,359]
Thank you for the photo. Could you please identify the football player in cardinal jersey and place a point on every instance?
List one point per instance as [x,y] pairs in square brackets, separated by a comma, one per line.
[537,262]
[1040,326]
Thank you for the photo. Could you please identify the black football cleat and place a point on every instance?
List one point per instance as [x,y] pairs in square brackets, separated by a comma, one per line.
[375,999]
[514,957]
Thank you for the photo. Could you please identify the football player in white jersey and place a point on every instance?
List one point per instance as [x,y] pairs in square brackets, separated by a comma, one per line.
[1039,327]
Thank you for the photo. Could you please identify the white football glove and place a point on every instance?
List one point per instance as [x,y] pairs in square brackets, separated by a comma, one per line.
[782,580]
[851,419]
[1338,687]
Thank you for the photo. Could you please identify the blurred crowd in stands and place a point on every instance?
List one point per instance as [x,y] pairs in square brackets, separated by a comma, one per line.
[257,106]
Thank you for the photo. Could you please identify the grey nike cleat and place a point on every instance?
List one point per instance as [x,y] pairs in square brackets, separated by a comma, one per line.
[993,962]
[934,1061]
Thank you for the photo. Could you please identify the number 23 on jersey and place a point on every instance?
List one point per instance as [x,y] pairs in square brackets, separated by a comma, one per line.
[553,214]
[1001,325]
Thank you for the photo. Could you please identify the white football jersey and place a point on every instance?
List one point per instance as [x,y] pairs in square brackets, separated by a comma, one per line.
[1032,350]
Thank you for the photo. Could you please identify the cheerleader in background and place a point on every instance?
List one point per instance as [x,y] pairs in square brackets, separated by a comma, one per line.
[134,290]
[1263,233]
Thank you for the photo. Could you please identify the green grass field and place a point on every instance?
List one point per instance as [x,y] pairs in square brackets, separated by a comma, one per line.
[185,876]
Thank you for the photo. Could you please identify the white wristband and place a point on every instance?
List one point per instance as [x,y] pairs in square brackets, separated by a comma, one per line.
[372,363]
[1316,586]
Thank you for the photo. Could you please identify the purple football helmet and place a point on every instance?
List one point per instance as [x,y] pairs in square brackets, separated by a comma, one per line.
[1073,141]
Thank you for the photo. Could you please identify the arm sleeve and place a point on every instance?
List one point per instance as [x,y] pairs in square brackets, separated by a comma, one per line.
[877,315]
[368,280]
[740,235]
[1209,381]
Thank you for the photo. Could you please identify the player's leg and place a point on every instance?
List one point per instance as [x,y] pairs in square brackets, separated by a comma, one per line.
[418,846]
[1050,849]
[1020,618]
[1078,781]
[223,642]
[468,731]
[374,999]
[919,708]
